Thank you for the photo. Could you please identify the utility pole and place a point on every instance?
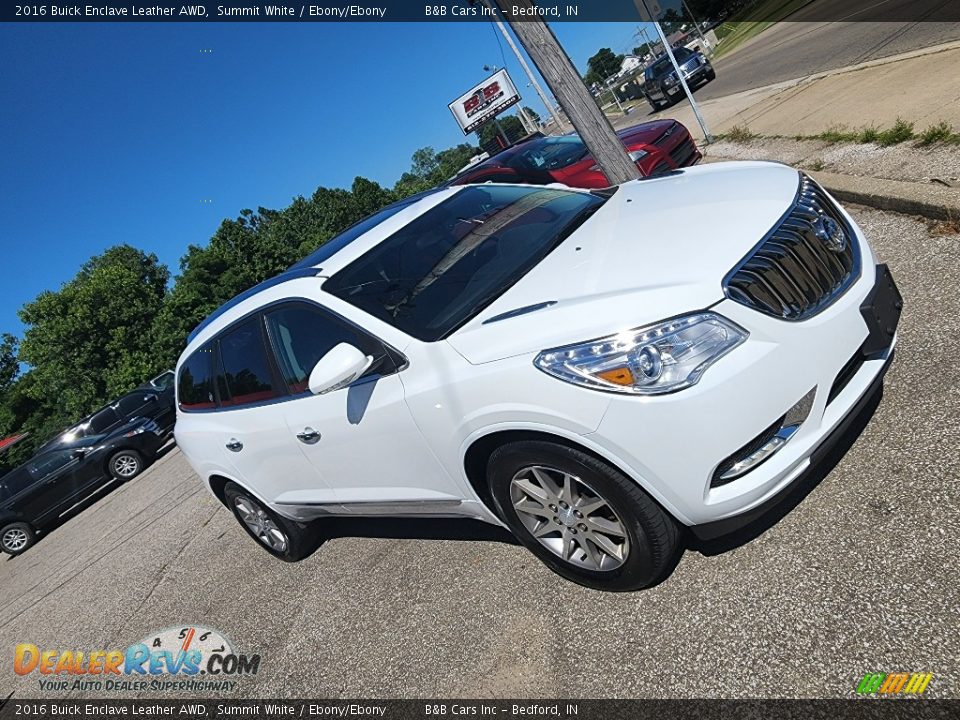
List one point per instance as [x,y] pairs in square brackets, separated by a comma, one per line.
[565,82]
[526,68]
[696,26]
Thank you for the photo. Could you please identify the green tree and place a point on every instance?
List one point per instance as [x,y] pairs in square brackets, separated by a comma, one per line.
[91,339]
[9,365]
[602,65]
[531,113]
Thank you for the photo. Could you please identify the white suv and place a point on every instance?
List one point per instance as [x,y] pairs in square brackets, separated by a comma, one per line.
[597,371]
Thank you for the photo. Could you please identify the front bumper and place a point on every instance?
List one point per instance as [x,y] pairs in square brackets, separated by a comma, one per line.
[673,444]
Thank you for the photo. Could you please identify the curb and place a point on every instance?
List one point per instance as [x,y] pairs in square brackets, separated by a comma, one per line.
[908,198]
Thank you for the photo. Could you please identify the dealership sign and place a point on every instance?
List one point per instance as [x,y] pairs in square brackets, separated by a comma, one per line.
[484,101]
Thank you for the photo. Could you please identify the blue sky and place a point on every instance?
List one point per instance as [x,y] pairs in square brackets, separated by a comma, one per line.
[118,132]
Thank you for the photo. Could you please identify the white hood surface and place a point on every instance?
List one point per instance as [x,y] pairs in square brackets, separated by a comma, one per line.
[658,248]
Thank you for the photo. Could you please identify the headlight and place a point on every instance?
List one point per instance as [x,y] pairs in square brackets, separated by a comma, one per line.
[638,155]
[651,360]
[670,79]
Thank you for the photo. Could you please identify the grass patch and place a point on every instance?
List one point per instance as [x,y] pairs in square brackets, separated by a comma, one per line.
[816,166]
[739,134]
[899,133]
[939,134]
[831,135]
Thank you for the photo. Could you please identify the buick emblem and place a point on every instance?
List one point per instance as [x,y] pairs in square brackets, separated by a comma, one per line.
[829,232]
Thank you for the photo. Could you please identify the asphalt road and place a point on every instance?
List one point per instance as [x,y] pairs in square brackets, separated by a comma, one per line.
[860,577]
[790,50]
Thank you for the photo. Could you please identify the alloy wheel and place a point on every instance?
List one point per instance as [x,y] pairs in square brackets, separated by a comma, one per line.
[15,540]
[569,518]
[126,466]
[260,524]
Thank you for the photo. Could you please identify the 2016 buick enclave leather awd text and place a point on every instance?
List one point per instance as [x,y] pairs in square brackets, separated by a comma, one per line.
[595,370]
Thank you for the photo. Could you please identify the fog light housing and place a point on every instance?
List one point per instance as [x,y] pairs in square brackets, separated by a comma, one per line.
[766,444]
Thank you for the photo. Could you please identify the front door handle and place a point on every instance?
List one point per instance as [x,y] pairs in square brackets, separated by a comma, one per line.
[308,436]
[234,445]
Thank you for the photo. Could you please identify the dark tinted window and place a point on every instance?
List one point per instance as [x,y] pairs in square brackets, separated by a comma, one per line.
[195,387]
[102,421]
[15,482]
[302,334]
[455,259]
[133,404]
[48,463]
[246,369]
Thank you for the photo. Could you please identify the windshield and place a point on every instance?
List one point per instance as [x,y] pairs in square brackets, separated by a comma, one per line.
[549,153]
[663,65]
[443,268]
[336,244]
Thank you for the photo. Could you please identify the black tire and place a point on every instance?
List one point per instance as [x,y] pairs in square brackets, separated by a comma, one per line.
[654,104]
[652,537]
[16,537]
[294,535]
[712,75]
[126,465]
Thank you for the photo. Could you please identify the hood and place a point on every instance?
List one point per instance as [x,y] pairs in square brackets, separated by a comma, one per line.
[658,248]
[645,134]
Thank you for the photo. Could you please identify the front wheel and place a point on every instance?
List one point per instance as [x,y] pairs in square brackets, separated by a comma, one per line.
[584,519]
[126,465]
[16,537]
[654,104]
[282,538]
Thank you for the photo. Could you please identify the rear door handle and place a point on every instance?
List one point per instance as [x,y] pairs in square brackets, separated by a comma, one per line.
[308,436]
[234,445]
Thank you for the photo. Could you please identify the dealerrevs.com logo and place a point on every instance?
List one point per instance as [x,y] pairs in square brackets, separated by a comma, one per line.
[188,658]
[894,683]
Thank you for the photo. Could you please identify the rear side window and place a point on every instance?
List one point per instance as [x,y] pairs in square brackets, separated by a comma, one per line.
[302,334]
[103,421]
[133,404]
[247,377]
[195,387]
[15,482]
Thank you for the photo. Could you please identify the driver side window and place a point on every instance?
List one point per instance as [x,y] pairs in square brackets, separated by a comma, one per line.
[301,334]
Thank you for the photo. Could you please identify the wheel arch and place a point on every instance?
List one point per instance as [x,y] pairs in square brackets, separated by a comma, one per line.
[478,454]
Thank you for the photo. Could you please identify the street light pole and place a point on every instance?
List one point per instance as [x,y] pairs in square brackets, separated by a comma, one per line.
[646,14]
[526,68]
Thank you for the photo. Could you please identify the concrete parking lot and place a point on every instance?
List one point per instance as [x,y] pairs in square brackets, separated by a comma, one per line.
[860,577]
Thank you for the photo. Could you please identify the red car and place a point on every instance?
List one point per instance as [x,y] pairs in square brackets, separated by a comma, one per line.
[656,147]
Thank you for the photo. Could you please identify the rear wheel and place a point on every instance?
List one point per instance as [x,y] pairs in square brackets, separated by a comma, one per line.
[279,536]
[584,519]
[16,537]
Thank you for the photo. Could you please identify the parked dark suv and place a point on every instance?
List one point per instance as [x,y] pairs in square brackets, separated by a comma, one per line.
[660,82]
[116,442]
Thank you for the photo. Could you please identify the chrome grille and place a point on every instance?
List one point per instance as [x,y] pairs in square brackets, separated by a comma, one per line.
[798,269]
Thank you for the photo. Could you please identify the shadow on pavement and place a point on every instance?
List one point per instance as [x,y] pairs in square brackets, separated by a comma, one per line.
[806,484]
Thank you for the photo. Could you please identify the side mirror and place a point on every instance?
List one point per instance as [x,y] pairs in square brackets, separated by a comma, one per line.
[338,368]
